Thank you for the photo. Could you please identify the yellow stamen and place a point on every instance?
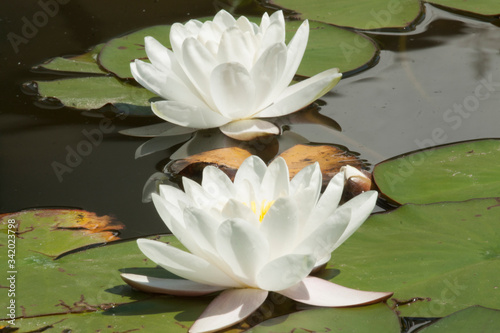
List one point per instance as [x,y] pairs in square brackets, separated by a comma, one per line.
[264,208]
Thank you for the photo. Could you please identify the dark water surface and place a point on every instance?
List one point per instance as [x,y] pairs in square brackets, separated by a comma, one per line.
[406,102]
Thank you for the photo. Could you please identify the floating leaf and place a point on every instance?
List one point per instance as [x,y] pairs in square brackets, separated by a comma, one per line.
[333,47]
[361,14]
[67,229]
[481,7]
[89,93]
[437,258]
[85,63]
[118,53]
[330,159]
[453,172]
[473,319]
[227,159]
[373,318]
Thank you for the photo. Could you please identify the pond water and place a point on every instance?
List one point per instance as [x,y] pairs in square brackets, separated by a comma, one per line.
[417,95]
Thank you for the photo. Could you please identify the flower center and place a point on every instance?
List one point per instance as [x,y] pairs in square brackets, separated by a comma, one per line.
[262,211]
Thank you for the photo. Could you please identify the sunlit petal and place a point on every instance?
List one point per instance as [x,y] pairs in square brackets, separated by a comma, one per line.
[185,264]
[176,287]
[230,307]
[320,292]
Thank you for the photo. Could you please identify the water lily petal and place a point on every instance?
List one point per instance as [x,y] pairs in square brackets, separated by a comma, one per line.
[176,287]
[299,95]
[217,183]
[174,195]
[252,169]
[327,203]
[179,32]
[233,90]
[243,248]
[236,46]
[184,264]
[170,214]
[166,85]
[236,209]
[266,73]
[296,48]
[361,206]
[305,188]
[285,271]
[148,76]
[198,63]
[197,193]
[276,180]
[275,32]
[281,223]
[224,19]
[264,22]
[230,307]
[188,115]
[321,241]
[157,54]
[319,292]
[249,129]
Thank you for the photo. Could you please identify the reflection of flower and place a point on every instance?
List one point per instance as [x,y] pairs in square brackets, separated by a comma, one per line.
[261,233]
[226,72]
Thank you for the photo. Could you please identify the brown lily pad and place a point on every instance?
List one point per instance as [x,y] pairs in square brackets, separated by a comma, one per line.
[330,159]
[227,159]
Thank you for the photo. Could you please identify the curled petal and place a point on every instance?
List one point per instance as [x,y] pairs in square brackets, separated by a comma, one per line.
[230,307]
[176,287]
[249,129]
[319,292]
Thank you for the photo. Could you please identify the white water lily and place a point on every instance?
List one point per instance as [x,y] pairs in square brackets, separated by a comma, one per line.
[226,73]
[261,233]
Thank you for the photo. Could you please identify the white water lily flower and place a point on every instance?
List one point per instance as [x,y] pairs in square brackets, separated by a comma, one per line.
[226,73]
[261,233]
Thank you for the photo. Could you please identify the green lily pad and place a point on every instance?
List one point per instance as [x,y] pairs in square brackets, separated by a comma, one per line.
[157,314]
[88,93]
[436,258]
[330,47]
[118,53]
[453,172]
[373,318]
[481,7]
[361,14]
[473,319]
[67,229]
[84,63]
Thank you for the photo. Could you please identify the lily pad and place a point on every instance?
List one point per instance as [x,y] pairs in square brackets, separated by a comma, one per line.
[118,53]
[156,314]
[330,159]
[453,172]
[361,14]
[473,319]
[333,47]
[481,7]
[85,63]
[88,93]
[67,230]
[437,258]
[373,318]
